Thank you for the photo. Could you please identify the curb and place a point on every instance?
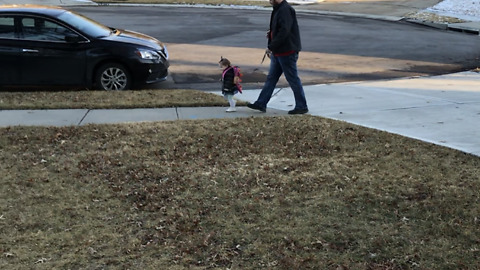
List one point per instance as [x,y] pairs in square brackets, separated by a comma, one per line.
[442,26]
[472,28]
[468,28]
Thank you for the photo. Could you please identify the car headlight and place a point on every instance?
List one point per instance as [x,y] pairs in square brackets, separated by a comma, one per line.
[148,54]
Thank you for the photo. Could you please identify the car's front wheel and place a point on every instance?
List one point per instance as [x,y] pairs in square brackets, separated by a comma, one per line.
[113,76]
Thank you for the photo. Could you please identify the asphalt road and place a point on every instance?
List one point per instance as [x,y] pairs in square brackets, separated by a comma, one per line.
[335,48]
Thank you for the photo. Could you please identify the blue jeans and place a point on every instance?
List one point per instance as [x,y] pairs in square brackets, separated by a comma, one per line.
[288,66]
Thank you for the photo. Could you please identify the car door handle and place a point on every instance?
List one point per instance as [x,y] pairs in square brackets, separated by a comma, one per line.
[29,51]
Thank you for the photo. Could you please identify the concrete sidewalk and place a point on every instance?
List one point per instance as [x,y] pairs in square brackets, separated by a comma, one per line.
[80,117]
[443,110]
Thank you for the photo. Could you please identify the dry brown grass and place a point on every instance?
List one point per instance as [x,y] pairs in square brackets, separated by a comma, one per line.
[108,99]
[432,17]
[257,193]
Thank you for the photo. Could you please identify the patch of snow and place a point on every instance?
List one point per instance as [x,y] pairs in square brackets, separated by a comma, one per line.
[468,10]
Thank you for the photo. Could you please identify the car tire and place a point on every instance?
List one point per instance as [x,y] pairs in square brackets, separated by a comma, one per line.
[113,76]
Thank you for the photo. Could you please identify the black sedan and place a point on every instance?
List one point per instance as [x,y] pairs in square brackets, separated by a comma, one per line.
[44,45]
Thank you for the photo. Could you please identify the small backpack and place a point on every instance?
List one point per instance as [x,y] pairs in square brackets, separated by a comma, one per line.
[238,78]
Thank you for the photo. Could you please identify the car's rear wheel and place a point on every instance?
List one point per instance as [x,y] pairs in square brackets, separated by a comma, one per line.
[113,76]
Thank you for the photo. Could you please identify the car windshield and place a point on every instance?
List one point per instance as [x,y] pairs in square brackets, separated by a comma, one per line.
[86,25]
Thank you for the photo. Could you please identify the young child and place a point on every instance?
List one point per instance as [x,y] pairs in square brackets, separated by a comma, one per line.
[230,82]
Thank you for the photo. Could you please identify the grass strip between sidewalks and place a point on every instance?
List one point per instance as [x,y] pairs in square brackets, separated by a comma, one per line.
[108,99]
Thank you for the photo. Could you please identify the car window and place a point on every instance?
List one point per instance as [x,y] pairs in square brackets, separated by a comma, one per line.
[44,30]
[7,27]
[85,25]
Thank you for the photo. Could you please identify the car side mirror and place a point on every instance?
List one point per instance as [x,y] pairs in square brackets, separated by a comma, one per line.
[73,38]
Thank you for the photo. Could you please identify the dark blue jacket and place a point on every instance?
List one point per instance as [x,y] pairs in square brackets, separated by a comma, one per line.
[284,33]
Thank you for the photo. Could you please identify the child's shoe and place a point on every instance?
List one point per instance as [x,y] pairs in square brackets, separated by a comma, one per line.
[231,109]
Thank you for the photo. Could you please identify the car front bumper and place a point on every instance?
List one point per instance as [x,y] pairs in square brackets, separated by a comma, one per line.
[147,72]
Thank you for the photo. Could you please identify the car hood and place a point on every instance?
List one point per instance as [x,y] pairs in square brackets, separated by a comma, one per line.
[127,36]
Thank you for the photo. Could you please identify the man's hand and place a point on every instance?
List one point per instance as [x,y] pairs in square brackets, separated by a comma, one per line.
[267,53]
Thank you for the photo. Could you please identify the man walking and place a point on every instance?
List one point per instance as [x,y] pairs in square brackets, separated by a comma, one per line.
[283,48]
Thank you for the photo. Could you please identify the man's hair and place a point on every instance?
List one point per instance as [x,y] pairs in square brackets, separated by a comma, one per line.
[224,61]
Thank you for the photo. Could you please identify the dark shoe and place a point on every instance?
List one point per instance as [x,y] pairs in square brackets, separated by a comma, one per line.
[254,106]
[298,111]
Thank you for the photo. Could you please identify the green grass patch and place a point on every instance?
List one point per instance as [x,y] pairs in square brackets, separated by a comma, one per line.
[253,193]
[108,99]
